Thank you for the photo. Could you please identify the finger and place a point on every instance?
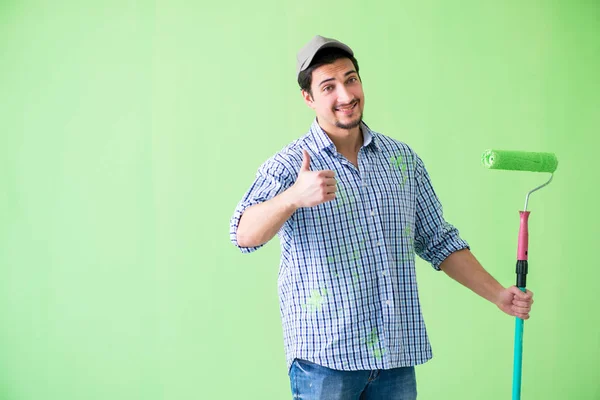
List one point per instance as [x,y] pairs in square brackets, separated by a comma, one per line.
[522,316]
[330,189]
[305,161]
[527,300]
[521,310]
[327,173]
[520,294]
[330,182]
[329,197]
[519,303]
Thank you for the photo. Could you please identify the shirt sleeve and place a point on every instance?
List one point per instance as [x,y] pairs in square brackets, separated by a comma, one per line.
[271,179]
[435,239]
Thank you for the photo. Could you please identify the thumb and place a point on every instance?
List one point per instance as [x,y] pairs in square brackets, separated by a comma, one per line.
[305,162]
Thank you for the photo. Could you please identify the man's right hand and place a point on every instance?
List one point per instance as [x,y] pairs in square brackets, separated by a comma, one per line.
[262,221]
[313,187]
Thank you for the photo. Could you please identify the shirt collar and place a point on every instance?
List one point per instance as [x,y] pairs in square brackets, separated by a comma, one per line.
[322,141]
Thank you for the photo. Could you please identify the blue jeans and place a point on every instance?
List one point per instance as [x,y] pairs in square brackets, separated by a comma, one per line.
[311,381]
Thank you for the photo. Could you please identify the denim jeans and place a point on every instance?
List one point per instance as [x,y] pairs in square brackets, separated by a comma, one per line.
[311,381]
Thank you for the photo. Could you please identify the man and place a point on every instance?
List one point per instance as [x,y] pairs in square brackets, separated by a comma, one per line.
[352,207]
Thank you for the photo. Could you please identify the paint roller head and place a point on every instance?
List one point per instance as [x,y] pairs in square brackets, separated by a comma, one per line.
[519,160]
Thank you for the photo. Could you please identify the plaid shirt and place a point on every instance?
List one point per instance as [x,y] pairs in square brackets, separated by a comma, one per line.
[347,286]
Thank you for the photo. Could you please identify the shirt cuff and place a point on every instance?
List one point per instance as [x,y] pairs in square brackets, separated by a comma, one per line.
[234,224]
[449,246]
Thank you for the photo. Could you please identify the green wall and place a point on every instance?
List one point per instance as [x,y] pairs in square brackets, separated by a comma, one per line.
[130,130]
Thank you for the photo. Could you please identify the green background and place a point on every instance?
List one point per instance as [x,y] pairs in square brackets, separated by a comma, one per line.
[129,130]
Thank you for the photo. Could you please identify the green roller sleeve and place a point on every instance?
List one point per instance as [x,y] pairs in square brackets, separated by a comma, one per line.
[520,160]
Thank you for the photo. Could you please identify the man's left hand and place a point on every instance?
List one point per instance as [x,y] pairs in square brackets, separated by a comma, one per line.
[515,302]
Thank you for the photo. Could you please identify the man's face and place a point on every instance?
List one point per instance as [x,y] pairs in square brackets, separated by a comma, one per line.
[337,96]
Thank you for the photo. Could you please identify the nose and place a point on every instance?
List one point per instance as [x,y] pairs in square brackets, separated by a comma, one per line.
[344,95]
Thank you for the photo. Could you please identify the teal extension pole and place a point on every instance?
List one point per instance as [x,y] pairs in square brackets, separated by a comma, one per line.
[518,358]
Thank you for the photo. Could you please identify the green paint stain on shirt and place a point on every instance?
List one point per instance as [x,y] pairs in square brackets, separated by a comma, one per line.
[355,281]
[316,300]
[409,235]
[373,338]
[400,163]
[372,342]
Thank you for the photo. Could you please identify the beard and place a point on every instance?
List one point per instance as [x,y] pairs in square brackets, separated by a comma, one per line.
[351,124]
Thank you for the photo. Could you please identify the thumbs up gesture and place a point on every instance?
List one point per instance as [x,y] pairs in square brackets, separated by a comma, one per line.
[313,187]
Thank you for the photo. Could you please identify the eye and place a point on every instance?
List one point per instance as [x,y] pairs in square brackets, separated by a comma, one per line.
[353,79]
[328,88]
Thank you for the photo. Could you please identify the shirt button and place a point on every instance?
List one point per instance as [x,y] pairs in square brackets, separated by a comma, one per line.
[384,273]
[372,213]
[388,302]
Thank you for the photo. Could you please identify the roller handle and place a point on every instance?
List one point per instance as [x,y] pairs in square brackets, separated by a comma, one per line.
[522,251]
[522,267]
[523,237]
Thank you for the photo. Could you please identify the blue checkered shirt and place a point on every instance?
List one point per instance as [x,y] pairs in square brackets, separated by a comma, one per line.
[347,286]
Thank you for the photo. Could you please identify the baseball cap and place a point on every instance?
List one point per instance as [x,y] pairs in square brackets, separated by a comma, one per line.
[307,53]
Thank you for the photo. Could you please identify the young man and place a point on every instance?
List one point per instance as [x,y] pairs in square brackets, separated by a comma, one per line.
[352,207]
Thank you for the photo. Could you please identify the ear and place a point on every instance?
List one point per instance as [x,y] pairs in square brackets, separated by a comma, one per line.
[308,99]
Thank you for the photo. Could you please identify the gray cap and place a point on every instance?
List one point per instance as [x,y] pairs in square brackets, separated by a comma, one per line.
[307,53]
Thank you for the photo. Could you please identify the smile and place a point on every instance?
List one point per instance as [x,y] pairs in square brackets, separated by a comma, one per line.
[347,109]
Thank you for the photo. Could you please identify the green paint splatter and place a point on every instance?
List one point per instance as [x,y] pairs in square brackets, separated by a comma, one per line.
[409,235]
[400,163]
[355,280]
[372,339]
[316,300]
[362,244]
[372,342]
[343,198]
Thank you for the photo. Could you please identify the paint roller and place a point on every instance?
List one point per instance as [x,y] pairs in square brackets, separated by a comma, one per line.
[532,162]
